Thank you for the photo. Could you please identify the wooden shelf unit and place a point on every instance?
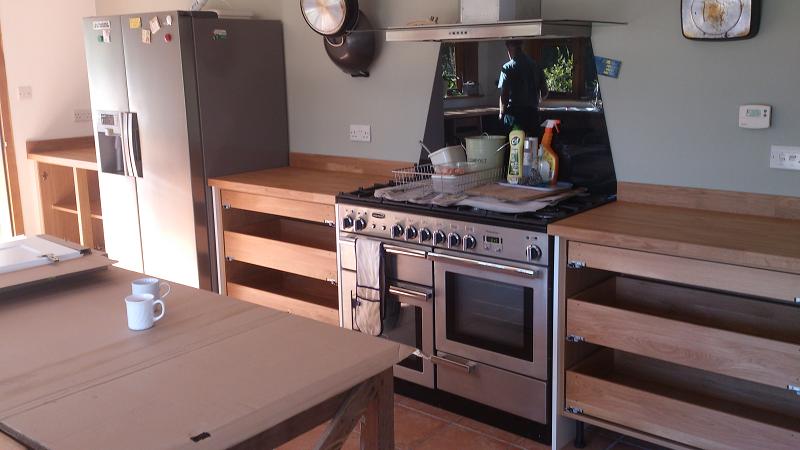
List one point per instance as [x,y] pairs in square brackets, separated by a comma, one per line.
[681,352]
[69,189]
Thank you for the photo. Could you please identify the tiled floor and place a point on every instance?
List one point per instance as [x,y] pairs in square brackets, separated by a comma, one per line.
[419,426]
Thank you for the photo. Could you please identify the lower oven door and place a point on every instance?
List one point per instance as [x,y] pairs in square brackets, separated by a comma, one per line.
[411,324]
[492,312]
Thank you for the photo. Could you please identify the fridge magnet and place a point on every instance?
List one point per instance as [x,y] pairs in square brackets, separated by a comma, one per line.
[168,21]
[135,22]
[607,67]
[145,36]
[155,25]
[720,20]
[98,25]
[220,35]
[106,36]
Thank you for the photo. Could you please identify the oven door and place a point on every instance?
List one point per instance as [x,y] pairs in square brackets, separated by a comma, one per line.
[493,312]
[411,323]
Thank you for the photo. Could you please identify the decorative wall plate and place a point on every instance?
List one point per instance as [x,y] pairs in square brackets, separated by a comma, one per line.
[720,19]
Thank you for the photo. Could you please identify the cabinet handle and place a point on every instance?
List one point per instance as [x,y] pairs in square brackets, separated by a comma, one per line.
[466,367]
[402,292]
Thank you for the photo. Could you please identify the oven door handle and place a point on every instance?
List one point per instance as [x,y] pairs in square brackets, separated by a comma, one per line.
[394,250]
[403,292]
[483,264]
[468,367]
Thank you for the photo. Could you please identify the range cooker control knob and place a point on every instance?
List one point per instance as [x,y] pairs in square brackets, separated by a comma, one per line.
[347,222]
[470,242]
[439,237]
[533,253]
[454,240]
[411,233]
[425,235]
[397,231]
[361,223]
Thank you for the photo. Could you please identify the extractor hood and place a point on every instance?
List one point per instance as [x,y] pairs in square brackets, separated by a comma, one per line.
[484,20]
[516,29]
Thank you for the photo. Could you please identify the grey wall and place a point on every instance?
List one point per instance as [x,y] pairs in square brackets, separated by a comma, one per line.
[672,114]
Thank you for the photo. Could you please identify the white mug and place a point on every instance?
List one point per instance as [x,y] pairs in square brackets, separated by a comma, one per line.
[152,286]
[141,311]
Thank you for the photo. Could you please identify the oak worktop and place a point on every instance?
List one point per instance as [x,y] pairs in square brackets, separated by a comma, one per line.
[316,186]
[69,152]
[738,239]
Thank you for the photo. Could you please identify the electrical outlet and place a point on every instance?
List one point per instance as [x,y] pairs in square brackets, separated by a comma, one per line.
[782,157]
[83,115]
[360,133]
[25,92]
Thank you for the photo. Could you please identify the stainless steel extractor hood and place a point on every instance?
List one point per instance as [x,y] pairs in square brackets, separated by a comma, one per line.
[517,29]
[484,20]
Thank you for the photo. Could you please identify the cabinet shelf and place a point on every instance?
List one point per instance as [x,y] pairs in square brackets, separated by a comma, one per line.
[692,407]
[726,334]
[295,294]
[292,246]
[72,208]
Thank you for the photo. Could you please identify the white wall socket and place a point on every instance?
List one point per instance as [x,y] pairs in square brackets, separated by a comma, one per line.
[25,92]
[360,133]
[782,157]
[83,115]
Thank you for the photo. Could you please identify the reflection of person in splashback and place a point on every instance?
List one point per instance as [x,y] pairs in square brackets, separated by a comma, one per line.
[522,85]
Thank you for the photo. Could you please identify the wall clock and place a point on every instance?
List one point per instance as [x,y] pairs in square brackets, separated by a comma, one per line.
[720,19]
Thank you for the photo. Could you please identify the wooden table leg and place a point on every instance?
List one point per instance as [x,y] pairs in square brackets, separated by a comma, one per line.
[377,431]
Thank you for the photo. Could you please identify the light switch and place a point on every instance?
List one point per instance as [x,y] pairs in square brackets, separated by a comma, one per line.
[25,92]
[782,157]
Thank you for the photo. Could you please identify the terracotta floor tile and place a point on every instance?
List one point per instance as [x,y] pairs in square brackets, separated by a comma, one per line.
[447,416]
[489,430]
[529,444]
[412,426]
[456,437]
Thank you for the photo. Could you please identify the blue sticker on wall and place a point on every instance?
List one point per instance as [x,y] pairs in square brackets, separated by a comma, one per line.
[607,66]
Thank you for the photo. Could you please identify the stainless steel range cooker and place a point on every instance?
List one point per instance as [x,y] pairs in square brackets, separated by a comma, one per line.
[474,290]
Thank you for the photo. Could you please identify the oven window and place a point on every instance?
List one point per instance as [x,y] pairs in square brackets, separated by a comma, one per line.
[404,324]
[490,315]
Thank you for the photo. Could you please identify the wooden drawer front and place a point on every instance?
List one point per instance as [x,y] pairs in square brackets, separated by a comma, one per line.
[675,416]
[744,280]
[505,392]
[284,302]
[297,259]
[313,212]
[738,355]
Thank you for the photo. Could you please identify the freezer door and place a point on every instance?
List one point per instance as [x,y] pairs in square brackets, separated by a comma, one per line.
[103,38]
[241,82]
[156,68]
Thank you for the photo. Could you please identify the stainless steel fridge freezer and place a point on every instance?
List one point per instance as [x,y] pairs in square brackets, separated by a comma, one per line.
[179,97]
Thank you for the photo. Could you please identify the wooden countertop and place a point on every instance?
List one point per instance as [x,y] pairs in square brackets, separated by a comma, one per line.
[70,152]
[311,178]
[744,240]
[74,377]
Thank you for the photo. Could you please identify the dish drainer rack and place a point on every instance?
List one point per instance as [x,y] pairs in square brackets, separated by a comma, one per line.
[423,177]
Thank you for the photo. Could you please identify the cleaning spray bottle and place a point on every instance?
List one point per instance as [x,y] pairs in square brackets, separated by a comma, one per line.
[517,140]
[549,155]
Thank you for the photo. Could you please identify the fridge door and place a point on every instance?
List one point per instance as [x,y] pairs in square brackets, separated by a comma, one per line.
[103,38]
[241,86]
[156,62]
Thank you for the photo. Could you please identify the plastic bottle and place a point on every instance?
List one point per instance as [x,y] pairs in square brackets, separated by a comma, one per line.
[548,154]
[528,159]
[517,140]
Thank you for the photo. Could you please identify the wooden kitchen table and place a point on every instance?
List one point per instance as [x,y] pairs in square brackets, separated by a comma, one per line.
[213,373]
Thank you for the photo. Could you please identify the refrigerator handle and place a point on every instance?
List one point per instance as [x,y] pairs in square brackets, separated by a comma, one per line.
[125,144]
[134,152]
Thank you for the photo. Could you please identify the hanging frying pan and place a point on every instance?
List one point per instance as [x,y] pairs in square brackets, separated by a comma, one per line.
[354,51]
[330,17]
